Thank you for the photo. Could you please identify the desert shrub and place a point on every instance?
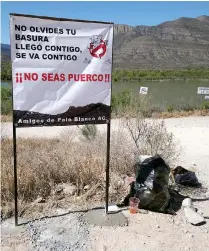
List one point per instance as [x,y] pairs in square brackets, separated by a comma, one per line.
[88,132]
[150,136]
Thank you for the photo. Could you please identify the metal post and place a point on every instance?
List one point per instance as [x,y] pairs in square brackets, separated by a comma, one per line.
[14,147]
[108,146]
[15,172]
[107,168]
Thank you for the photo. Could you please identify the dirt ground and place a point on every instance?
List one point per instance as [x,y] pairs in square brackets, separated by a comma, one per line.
[153,231]
[146,231]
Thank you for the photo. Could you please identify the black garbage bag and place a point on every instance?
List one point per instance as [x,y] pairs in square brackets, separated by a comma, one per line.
[184,177]
[151,185]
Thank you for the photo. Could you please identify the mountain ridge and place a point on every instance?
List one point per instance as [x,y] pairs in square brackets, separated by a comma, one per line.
[180,43]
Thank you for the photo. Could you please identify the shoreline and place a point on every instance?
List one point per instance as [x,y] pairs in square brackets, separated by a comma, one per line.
[160,79]
[162,115]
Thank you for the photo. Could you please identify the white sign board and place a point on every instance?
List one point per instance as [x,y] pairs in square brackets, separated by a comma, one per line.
[143,90]
[61,71]
[203,90]
[206,97]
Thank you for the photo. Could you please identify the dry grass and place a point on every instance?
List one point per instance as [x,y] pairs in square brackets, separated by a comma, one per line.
[6,118]
[44,163]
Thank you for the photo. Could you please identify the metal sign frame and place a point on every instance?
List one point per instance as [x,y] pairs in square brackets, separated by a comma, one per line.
[108,122]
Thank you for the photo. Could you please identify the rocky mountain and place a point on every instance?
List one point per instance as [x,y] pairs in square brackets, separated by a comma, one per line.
[175,44]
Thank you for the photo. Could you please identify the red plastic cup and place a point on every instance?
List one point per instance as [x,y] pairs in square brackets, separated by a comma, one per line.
[133,205]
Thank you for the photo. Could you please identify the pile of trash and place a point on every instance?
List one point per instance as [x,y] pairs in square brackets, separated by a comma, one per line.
[184,177]
[152,185]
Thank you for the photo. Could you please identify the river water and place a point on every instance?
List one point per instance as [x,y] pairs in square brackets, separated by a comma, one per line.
[167,92]
[164,92]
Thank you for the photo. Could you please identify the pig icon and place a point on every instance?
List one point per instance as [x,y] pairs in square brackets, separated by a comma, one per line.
[97,47]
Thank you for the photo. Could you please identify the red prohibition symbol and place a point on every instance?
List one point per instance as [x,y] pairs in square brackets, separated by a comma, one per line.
[98,50]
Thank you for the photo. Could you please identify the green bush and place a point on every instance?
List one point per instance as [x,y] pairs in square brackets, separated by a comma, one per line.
[6,71]
[205,105]
[125,103]
[170,108]
[6,101]
[188,107]
[121,99]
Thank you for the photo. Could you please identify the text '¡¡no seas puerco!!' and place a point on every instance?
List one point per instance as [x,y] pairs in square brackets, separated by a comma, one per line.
[53,77]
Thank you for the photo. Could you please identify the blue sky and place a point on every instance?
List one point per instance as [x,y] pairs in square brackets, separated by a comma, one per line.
[132,13]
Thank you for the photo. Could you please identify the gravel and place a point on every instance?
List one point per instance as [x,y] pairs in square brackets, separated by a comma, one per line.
[61,233]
